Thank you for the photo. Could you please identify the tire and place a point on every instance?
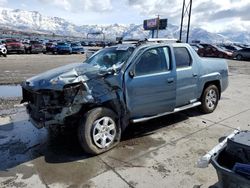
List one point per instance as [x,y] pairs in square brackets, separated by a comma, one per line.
[239,57]
[93,123]
[209,99]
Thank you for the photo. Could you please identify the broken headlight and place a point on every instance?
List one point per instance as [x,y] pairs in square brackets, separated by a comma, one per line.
[70,92]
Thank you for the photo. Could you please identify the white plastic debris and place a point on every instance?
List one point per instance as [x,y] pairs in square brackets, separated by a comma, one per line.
[204,161]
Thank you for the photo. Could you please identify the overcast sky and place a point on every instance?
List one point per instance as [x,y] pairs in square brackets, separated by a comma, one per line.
[213,15]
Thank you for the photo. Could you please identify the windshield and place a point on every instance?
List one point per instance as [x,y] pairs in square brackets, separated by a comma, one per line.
[111,57]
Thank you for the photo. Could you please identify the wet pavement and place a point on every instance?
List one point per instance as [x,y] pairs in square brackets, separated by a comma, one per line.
[159,153]
[10,91]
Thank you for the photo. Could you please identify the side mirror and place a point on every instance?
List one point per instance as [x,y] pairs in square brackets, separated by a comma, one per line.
[131,74]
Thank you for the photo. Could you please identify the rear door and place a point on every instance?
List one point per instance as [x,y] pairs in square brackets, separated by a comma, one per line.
[187,77]
[151,84]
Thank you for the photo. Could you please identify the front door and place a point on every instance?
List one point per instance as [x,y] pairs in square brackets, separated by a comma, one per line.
[151,87]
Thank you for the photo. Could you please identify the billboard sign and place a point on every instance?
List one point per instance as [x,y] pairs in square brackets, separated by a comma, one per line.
[152,24]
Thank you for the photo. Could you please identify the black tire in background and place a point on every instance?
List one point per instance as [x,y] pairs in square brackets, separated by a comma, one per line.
[239,57]
[209,99]
[87,129]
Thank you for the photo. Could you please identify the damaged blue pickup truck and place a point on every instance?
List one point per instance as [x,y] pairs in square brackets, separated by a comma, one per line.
[122,84]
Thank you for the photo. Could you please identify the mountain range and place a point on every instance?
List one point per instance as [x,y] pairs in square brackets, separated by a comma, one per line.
[33,21]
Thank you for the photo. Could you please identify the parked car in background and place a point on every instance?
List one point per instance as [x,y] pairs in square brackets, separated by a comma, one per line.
[35,47]
[51,47]
[196,47]
[242,54]
[3,50]
[92,43]
[209,50]
[26,44]
[229,47]
[77,48]
[122,84]
[63,48]
[14,46]
[84,43]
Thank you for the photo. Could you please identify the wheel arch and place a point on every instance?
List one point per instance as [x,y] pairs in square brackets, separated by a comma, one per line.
[213,82]
[115,105]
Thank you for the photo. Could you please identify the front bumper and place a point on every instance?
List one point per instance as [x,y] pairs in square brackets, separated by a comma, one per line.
[80,50]
[43,114]
[43,118]
[64,50]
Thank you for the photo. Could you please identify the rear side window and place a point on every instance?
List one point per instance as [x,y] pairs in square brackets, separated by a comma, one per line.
[182,57]
[153,61]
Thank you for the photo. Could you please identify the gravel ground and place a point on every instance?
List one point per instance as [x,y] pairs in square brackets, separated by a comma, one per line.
[17,68]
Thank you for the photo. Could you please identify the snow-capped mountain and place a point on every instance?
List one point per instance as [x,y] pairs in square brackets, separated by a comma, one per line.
[32,21]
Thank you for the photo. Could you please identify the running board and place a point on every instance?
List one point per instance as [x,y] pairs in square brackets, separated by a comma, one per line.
[166,113]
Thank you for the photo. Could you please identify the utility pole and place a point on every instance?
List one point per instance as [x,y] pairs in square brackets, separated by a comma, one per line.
[158,25]
[186,11]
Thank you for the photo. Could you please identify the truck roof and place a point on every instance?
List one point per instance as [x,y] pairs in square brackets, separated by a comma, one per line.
[150,44]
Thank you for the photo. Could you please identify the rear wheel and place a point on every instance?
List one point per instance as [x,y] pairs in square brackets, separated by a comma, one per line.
[99,131]
[239,57]
[209,99]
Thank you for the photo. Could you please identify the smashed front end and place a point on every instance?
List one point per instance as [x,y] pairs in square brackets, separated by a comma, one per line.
[52,107]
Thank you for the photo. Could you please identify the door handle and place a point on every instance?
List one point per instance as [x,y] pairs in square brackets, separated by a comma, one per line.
[170,80]
[195,75]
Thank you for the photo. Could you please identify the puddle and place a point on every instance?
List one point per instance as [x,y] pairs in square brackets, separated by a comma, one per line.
[10,91]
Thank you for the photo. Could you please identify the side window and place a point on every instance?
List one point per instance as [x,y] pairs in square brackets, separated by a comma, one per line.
[182,57]
[153,61]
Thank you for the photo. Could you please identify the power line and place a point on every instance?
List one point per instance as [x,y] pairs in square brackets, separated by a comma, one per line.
[186,12]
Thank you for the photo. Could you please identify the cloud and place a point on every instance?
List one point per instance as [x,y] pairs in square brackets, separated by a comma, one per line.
[204,7]
[3,2]
[81,5]
[205,13]
[242,13]
[166,8]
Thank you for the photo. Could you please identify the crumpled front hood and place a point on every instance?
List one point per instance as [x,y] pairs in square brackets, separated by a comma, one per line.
[57,78]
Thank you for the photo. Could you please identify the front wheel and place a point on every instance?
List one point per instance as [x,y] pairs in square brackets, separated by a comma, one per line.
[209,99]
[99,131]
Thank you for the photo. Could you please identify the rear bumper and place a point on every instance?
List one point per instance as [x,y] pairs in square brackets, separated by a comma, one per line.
[16,50]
